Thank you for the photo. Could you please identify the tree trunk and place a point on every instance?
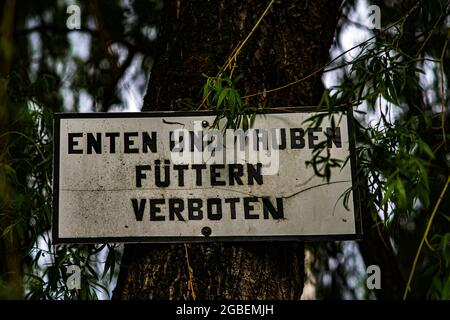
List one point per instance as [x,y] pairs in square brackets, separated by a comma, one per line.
[196,37]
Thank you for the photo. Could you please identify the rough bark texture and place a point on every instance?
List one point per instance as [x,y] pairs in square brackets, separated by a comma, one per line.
[220,271]
[195,38]
[10,255]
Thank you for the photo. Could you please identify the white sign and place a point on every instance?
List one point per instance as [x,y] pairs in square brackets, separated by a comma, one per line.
[171,177]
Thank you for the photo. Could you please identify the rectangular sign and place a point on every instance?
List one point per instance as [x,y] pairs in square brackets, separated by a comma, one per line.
[171,177]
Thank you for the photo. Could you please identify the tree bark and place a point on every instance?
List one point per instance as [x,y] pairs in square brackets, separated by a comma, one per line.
[195,38]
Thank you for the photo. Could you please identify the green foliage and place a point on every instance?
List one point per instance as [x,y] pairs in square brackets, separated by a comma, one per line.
[220,95]
[401,130]
[27,218]
[440,269]
[48,276]
[91,67]
[52,69]
[321,160]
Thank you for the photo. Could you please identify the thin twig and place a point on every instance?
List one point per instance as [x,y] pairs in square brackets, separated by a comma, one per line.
[190,272]
[424,237]
[237,49]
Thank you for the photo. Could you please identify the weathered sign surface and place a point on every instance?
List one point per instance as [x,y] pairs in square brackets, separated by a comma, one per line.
[170,177]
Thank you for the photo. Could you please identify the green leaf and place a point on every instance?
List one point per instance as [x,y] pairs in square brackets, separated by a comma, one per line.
[245,123]
[401,192]
[426,148]
[252,119]
[222,96]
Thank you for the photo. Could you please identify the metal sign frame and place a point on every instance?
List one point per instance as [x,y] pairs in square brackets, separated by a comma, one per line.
[182,239]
